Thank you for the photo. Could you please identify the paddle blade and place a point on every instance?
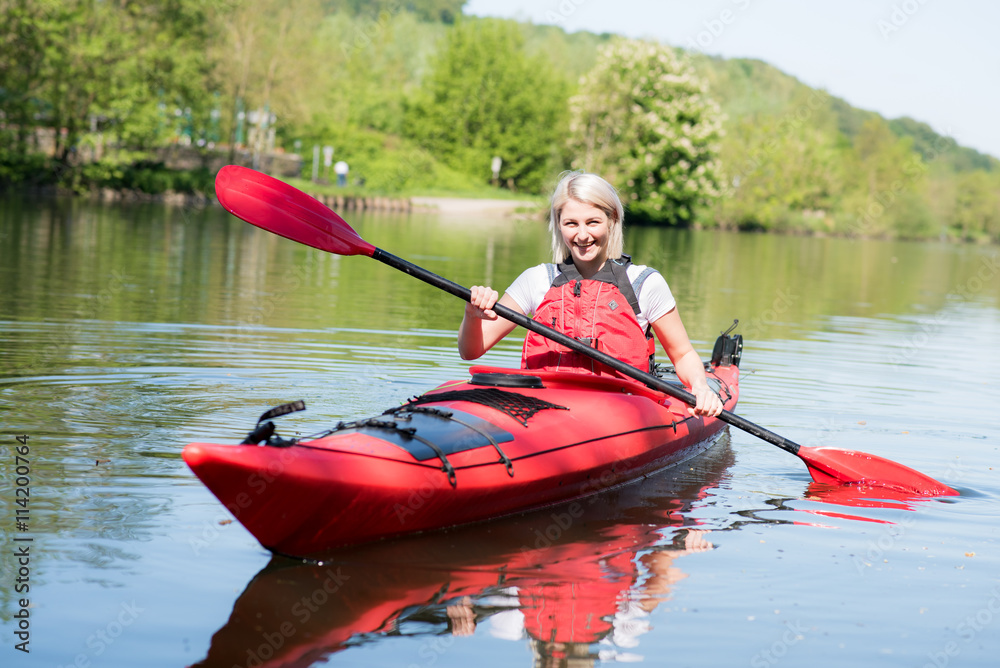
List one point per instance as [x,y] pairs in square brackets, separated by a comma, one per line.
[848,467]
[277,207]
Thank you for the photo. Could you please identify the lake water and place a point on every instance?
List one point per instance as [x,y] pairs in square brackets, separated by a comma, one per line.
[128,331]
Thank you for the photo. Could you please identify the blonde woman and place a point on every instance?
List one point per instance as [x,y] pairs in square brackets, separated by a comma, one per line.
[590,291]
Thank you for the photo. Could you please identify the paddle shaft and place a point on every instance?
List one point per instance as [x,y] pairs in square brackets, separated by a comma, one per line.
[582,348]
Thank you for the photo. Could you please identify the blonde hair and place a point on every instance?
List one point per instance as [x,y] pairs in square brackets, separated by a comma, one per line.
[593,190]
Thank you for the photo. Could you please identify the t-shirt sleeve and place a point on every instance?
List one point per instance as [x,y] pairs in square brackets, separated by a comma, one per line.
[655,298]
[529,288]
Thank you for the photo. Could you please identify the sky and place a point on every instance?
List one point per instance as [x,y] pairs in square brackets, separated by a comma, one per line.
[937,61]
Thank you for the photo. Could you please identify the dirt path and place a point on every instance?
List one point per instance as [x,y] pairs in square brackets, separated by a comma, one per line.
[464,207]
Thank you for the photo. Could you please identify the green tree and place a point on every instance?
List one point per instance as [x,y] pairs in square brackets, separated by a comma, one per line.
[781,173]
[266,61]
[22,43]
[976,211]
[367,68]
[486,97]
[445,11]
[360,74]
[118,67]
[643,120]
[932,146]
[887,191]
[164,70]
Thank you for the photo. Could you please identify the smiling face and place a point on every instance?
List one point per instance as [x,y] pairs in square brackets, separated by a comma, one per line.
[575,196]
[585,230]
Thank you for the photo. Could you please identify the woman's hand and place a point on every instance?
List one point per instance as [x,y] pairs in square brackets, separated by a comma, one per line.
[481,303]
[690,369]
[481,327]
[708,402]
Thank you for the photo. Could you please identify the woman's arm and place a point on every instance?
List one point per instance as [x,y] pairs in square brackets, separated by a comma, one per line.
[687,363]
[481,327]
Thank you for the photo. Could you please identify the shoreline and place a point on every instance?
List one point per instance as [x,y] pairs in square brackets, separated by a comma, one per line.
[444,206]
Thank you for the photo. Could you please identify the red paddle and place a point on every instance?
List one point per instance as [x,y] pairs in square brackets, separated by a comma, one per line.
[279,208]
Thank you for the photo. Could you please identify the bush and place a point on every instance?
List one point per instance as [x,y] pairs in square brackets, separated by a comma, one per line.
[31,170]
[151,178]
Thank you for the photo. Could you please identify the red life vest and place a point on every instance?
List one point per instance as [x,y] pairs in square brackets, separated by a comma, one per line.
[599,311]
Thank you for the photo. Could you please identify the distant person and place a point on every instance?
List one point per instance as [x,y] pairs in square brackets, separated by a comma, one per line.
[341,169]
[623,304]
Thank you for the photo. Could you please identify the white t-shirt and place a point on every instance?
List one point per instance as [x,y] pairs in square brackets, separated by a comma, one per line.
[655,298]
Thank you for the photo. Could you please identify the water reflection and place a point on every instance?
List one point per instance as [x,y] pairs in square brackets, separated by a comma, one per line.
[860,496]
[577,581]
[830,502]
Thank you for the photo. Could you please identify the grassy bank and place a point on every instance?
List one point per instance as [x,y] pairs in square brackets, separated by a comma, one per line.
[474,192]
[144,178]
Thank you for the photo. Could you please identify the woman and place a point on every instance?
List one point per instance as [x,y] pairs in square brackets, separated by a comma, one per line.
[587,293]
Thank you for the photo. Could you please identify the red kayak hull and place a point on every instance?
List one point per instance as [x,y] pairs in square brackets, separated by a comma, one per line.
[359,484]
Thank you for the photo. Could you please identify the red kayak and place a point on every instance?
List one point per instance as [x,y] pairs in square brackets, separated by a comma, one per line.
[502,442]
[566,572]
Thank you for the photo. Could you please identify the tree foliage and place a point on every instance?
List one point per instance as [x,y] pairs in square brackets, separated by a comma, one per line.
[642,120]
[414,96]
[445,11]
[486,97]
[22,41]
[265,58]
[780,174]
[974,213]
[76,65]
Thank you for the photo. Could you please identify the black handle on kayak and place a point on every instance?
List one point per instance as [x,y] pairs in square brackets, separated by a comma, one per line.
[562,339]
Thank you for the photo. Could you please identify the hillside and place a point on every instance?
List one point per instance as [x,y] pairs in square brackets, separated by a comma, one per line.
[808,161]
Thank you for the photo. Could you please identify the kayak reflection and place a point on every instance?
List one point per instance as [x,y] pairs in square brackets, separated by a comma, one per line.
[578,581]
